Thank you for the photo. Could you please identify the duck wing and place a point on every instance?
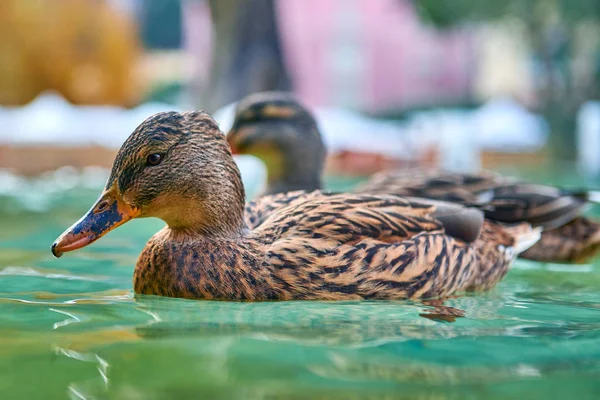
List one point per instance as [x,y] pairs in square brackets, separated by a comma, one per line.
[540,205]
[502,199]
[257,211]
[470,189]
[349,217]
[574,242]
[363,246]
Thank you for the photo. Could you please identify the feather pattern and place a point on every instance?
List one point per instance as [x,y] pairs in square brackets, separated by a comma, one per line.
[294,246]
[331,247]
[567,236]
[502,199]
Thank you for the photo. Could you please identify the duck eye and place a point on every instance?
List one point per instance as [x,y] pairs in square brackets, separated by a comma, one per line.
[103,206]
[154,159]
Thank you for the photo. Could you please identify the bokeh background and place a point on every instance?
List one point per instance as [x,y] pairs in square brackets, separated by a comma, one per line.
[393,83]
[508,85]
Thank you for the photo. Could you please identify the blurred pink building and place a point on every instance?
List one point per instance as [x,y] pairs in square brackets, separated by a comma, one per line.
[364,54]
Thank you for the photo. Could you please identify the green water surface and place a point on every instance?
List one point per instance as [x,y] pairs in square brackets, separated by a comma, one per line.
[71,328]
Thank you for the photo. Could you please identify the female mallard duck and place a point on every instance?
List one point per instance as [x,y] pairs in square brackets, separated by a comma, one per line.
[178,167]
[276,128]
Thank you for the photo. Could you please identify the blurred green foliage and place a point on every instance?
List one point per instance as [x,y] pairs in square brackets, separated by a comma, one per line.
[555,39]
[448,13]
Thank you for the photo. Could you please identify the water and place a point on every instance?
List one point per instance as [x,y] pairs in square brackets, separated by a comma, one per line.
[71,328]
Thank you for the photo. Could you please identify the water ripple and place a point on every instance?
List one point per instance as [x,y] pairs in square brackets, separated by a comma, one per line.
[42,273]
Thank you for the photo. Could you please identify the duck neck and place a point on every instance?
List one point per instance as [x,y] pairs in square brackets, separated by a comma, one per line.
[215,208]
[209,220]
[297,168]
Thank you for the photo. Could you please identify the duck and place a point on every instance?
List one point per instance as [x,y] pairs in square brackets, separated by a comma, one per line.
[283,134]
[279,130]
[179,167]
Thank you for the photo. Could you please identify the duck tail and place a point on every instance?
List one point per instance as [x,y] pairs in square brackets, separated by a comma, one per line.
[525,236]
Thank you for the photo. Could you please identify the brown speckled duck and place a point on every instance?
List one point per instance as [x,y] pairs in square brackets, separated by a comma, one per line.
[178,167]
[274,126]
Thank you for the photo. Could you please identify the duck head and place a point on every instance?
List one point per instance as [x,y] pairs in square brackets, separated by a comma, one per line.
[277,129]
[175,166]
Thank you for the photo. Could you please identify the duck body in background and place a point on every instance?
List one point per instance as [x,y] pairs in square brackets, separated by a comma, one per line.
[276,128]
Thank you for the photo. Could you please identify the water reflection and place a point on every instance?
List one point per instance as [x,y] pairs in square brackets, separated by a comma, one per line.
[310,323]
[149,347]
[76,326]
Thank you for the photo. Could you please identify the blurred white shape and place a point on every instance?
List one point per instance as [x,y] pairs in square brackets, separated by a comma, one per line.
[528,371]
[39,120]
[460,149]
[505,125]
[225,116]
[345,130]
[93,177]
[254,174]
[9,183]
[48,190]
[30,271]
[588,139]
[72,318]
[500,125]
[50,119]
[66,178]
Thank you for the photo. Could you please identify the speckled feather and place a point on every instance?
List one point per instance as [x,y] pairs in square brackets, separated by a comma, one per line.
[568,237]
[320,246]
[576,242]
[301,245]
[329,247]
[502,199]
[316,245]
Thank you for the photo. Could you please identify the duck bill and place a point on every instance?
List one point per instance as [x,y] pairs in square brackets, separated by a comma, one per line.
[109,212]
